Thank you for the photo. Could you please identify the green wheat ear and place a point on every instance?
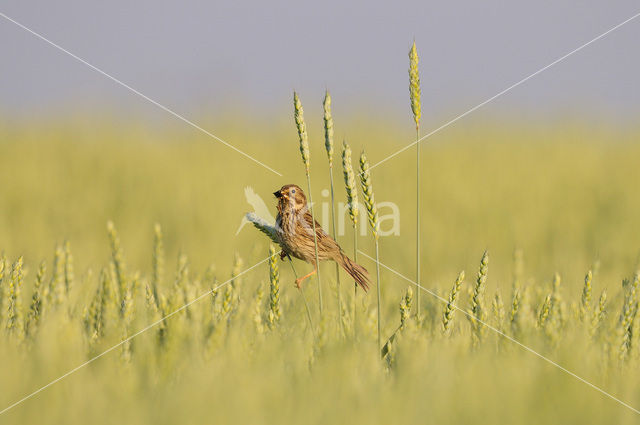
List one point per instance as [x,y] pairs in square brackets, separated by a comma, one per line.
[35,310]
[405,307]
[117,259]
[414,84]
[598,314]
[447,315]
[54,291]
[262,225]
[13,321]
[158,263]
[302,131]
[68,268]
[274,292]
[350,182]
[328,127]
[367,191]
[585,303]
[478,312]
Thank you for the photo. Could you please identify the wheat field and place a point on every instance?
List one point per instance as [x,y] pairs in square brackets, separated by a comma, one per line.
[107,227]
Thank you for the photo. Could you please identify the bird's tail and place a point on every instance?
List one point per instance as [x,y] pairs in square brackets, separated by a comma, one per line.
[357,272]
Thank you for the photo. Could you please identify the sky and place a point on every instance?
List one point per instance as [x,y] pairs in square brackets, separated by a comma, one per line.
[194,55]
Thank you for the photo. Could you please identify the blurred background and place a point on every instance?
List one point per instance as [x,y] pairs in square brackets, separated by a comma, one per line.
[202,58]
[547,167]
[549,170]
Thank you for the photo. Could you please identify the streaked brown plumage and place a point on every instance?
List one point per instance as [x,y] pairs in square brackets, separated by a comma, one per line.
[295,235]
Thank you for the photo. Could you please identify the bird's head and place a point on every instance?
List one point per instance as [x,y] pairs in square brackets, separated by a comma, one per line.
[291,195]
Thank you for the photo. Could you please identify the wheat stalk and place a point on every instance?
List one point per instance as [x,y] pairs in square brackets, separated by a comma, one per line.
[328,144]
[304,299]
[414,94]
[304,151]
[372,214]
[257,309]
[352,205]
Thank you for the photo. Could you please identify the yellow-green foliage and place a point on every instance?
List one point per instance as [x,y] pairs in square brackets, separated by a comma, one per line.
[559,197]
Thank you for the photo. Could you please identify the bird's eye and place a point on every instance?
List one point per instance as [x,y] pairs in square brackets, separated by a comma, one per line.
[293,191]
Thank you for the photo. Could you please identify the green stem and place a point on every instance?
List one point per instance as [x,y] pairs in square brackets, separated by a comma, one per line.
[355,284]
[378,285]
[333,225]
[418,256]
[315,243]
[306,305]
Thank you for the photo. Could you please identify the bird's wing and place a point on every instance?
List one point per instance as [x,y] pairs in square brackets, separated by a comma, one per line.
[323,238]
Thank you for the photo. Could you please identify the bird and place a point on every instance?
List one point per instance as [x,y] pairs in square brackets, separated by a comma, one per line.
[294,234]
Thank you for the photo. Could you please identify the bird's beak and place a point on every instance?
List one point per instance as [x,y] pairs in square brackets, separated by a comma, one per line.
[277,194]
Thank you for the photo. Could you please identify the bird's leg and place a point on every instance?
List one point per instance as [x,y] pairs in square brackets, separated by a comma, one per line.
[300,279]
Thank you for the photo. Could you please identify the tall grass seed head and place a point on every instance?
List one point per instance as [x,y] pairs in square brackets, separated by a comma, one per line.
[302,131]
[405,306]
[350,182]
[447,316]
[328,128]
[367,190]
[414,84]
[274,288]
[15,284]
